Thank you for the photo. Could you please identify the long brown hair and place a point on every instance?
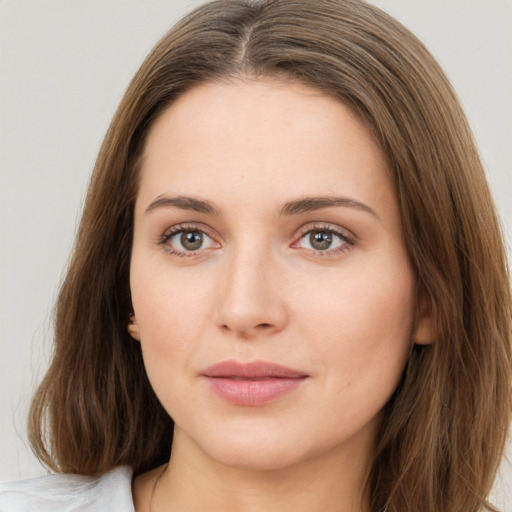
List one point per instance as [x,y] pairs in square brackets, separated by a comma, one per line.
[444,429]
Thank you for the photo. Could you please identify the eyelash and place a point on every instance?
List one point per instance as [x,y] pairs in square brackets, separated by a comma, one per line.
[181,228]
[348,239]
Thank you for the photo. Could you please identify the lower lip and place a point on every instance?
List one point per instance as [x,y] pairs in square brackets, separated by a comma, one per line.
[253,392]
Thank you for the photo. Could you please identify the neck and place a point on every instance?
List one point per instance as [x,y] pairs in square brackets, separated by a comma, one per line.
[331,482]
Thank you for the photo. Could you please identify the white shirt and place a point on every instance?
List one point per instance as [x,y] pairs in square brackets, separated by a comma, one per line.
[110,492]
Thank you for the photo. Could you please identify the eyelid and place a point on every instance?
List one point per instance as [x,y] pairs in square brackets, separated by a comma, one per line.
[326,226]
[183,226]
[186,226]
[349,238]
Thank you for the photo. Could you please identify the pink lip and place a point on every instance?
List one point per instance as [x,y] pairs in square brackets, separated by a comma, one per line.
[254,383]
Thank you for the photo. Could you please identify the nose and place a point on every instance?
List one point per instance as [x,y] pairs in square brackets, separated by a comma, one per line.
[251,302]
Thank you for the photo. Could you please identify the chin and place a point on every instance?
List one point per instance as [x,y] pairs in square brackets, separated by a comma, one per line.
[256,458]
[251,449]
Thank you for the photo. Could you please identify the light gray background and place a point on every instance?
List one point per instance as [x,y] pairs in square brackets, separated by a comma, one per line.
[64,65]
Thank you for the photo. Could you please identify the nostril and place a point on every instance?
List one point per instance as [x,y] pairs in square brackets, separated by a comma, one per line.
[246,332]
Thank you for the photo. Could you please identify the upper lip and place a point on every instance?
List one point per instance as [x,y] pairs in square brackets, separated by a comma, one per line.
[252,370]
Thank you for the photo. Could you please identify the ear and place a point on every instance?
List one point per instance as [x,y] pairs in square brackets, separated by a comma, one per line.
[133,328]
[424,328]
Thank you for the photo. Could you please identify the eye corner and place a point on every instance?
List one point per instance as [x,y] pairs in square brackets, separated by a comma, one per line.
[179,248]
[330,240]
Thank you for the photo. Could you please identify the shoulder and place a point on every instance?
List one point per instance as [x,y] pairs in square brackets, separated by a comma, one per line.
[111,491]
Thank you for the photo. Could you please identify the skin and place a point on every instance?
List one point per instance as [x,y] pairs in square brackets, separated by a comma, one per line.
[257,289]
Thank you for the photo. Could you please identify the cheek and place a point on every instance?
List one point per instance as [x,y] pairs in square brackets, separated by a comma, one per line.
[361,325]
[171,310]
[164,298]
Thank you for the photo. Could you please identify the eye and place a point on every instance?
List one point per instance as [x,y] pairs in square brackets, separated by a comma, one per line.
[324,240]
[184,241]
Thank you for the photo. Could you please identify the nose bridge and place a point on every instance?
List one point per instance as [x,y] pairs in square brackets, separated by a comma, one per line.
[250,299]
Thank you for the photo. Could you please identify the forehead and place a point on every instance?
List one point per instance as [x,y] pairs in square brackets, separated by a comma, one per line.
[260,139]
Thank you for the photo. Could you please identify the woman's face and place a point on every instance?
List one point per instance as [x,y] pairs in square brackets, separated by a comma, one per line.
[267,231]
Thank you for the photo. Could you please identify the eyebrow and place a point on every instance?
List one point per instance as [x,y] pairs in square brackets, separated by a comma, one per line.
[304,205]
[184,203]
[309,204]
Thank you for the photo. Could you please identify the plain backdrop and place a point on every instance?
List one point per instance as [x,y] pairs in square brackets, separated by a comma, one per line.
[64,65]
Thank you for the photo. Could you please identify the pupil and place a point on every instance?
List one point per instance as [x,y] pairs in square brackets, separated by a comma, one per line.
[320,240]
[191,240]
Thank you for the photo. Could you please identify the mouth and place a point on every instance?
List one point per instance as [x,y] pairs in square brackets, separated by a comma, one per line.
[252,384]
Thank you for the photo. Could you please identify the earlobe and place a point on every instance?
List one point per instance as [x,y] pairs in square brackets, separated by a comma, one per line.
[424,329]
[423,332]
[133,328]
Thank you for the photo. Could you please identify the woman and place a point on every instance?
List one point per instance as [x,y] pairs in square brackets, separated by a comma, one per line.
[289,248]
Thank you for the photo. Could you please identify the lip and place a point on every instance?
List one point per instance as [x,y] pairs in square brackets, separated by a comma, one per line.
[252,384]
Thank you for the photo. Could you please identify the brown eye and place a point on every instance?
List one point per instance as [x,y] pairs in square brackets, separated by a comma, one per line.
[191,240]
[324,241]
[183,241]
[320,240]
